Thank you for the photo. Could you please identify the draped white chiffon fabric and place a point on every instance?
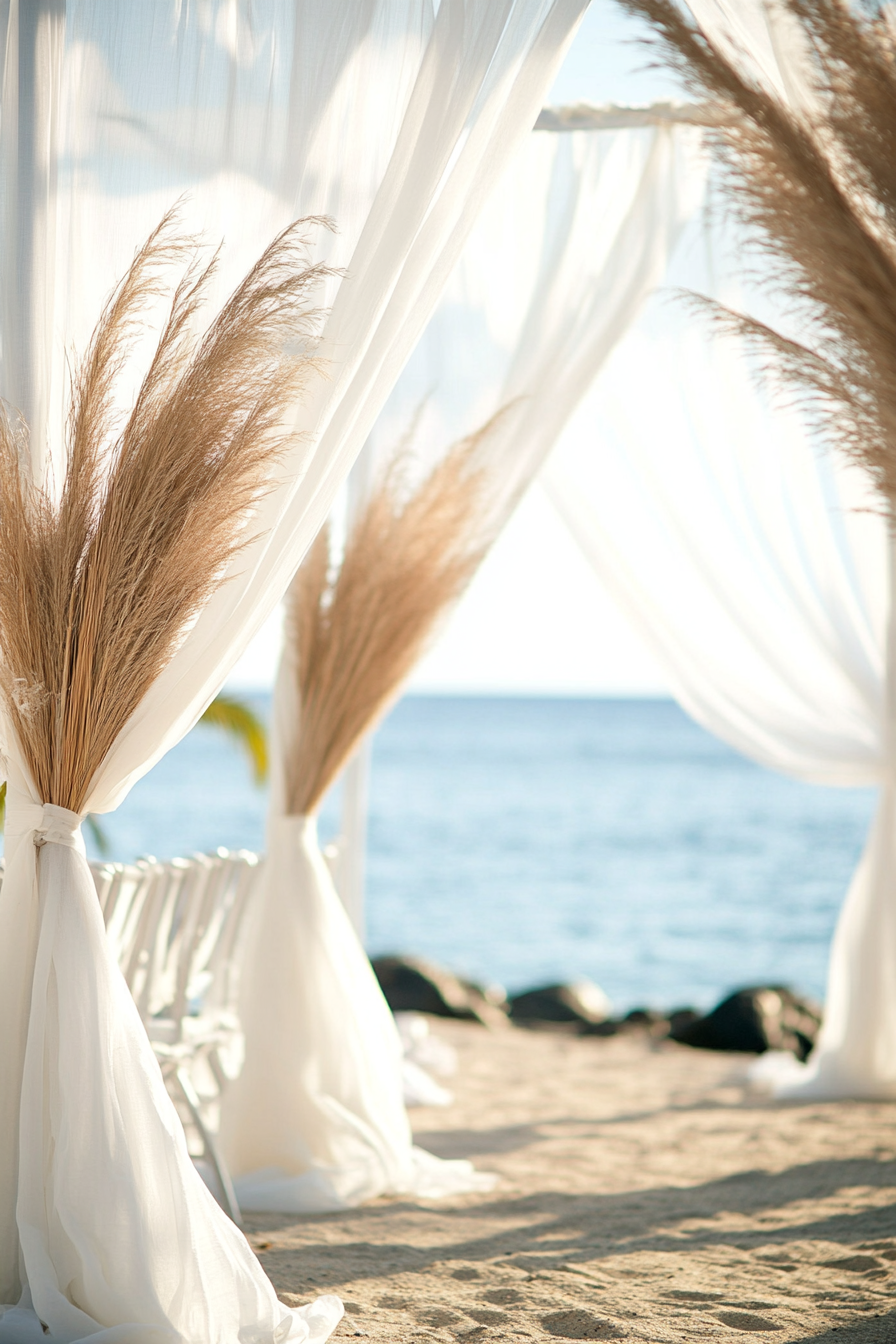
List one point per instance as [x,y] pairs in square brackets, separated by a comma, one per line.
[106,1187]
[575,236]
[396,121]
[316,1120]
[571,241]
[769,599]
[758,569]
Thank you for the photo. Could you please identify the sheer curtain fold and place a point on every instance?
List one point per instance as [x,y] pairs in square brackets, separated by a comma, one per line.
[249,115]
[786,556]
[758,570]
[572,239]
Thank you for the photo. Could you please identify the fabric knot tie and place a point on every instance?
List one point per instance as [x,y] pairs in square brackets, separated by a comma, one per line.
[58,826]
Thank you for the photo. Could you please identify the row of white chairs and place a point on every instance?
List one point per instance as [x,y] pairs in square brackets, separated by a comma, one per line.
[175,930]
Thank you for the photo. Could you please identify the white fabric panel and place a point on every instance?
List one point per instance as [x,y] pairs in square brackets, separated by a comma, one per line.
[205,1282]
[316,1120]
[575,236]
[814,647]
[764,40]
[758,570]
[260,112]
[742,551]
[478,84]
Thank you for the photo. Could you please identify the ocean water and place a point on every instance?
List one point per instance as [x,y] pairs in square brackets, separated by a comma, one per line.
[522,841]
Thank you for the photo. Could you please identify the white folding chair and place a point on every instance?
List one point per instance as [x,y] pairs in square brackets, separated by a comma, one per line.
[166,922]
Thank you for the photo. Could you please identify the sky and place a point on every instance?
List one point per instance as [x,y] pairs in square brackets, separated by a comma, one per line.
[536,620]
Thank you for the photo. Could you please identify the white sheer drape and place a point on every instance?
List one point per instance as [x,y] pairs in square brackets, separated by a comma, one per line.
[793,659]
[575,236]
[316,1120]
[758,570]
[397,123]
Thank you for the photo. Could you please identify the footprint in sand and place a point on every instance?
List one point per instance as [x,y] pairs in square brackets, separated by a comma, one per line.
[682,1295]
[465,1274]
[856,1264]
[486,1316]
[579,1325]
[439,1316]
[744,1320]
[503,1297]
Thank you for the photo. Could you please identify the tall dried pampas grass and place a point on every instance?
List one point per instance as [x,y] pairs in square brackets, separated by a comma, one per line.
[98,585]
[358,630]
[818,185]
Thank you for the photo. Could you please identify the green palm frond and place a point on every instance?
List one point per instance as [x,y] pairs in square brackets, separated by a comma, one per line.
[238,719]
[100,839]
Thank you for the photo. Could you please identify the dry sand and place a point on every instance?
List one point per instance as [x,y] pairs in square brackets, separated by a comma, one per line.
[643,1196]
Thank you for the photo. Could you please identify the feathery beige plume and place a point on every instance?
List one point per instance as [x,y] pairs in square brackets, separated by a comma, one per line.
[98,586]
[817,185]
[359,628]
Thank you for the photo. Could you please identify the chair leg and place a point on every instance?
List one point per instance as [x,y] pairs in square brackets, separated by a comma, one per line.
[228,1194]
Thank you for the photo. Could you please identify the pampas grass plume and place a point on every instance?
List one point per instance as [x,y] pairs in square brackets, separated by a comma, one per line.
[358,629]
[815,182]
[98,586]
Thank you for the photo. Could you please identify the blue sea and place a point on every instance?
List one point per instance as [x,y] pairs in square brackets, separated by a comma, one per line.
[529,840]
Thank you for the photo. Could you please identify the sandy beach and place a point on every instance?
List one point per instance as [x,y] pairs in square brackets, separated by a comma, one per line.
[643,1195]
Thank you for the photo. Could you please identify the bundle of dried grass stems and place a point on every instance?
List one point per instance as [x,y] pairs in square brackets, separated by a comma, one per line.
[98,584]
[817,184]
[357,629]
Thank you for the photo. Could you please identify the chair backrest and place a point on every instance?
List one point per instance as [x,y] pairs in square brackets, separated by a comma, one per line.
[143,947]
[176,929]
[220,957]
[121,889]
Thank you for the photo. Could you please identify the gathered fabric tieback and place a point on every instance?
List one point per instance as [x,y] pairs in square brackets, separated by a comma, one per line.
[57,826]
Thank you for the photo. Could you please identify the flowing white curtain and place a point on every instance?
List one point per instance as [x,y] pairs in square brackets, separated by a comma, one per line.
[779,634]
[575,236]
[758,569]
[396,122]
[316,1120]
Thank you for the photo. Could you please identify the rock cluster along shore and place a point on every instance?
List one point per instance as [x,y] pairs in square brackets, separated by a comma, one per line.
[752,1020]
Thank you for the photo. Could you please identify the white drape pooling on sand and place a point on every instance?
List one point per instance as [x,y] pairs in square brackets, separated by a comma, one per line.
[793,656]
[575,236]
[316,1120]
[109,113]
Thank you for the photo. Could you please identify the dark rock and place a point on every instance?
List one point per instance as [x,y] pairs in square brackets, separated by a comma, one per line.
[611,1026]
[579,1004]
[639,1019]
[680,1018]
[412,984]
[768,1017]
[644,1017]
